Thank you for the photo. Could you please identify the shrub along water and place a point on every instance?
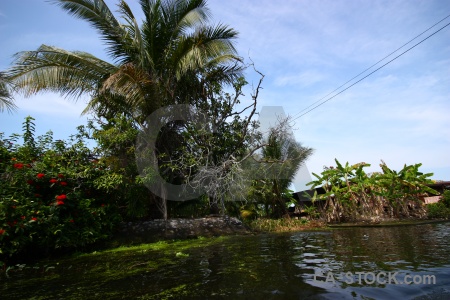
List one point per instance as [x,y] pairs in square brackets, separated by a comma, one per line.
[50,197]
[352,195]
[441,209]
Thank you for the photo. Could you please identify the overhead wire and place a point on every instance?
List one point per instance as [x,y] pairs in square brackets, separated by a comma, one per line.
[328,99]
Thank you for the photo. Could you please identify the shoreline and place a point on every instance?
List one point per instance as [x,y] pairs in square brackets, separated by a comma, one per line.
[389,223]
[183,230]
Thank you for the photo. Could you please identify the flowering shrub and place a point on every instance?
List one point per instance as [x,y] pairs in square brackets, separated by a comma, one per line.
[48,196]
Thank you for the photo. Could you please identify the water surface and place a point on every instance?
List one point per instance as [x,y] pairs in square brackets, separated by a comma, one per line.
[269,266]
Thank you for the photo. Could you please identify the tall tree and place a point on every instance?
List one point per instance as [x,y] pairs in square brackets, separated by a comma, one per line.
[165,60]
[286,155]
[170,58]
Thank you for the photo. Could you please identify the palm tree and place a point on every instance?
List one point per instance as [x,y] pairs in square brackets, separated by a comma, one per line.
[6,100]
[168,59]
[287,156]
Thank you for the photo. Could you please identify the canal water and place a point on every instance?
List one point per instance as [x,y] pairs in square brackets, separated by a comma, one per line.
[399,262]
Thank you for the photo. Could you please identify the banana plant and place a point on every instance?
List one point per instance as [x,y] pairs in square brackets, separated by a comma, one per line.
[352,194]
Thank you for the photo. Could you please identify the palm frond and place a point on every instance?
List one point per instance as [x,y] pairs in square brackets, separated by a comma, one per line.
[6,99]
[137,51]
[154,40]
[53,69]
[98,14]
[107,106]
[168,21]
[128,82]
[187,15]
[206,47]
[219,38]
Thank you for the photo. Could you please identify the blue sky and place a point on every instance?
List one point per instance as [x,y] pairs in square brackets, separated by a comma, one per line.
[305,49]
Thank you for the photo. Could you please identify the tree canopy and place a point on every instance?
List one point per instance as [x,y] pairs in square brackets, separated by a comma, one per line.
[174,56]
[167,59]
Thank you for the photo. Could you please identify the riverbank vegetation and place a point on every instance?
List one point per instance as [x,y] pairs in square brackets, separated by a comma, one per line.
[441,209]
[285,225]
[208,155]
[175,69]
[353,195]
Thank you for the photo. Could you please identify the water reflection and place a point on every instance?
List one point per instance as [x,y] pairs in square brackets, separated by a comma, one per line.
[272,266]
[333,261]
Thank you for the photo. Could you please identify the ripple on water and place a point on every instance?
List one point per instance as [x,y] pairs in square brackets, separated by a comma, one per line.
[272,266]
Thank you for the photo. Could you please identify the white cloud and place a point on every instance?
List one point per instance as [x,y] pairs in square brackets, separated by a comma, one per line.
[51,105]
[301,79]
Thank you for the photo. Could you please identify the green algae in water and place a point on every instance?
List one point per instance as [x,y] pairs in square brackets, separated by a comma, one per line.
[265,266]
[91,274]
[181,291]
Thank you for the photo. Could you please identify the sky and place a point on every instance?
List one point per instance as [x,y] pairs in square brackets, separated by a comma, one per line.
[305,49]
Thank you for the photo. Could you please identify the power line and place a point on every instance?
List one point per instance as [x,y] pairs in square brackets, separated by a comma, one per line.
[370,68]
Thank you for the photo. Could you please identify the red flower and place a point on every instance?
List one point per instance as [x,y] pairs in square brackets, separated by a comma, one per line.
[59,202]
[103,205]
[22,217]
[61,197]
[60,176]
[18,166]
[72,221]
[53,180]
[63,183]
[33,219]
[40,175]
[2,231]
[29,181]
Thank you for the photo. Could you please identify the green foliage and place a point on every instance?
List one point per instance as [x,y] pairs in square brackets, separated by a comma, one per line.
[445,199]
[285,156]
[172,55]
[441,209]
[28,134]
[438,211]
[115,140]
[189,209]
[52,195]
[312,212]
[351,194]
[206,153]
[6,99]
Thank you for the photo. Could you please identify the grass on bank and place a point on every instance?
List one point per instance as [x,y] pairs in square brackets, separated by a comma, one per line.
[285,225]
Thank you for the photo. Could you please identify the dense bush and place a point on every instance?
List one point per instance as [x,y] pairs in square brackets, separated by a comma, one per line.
[445,199]
[51,195]
[352,195]
[438,210]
